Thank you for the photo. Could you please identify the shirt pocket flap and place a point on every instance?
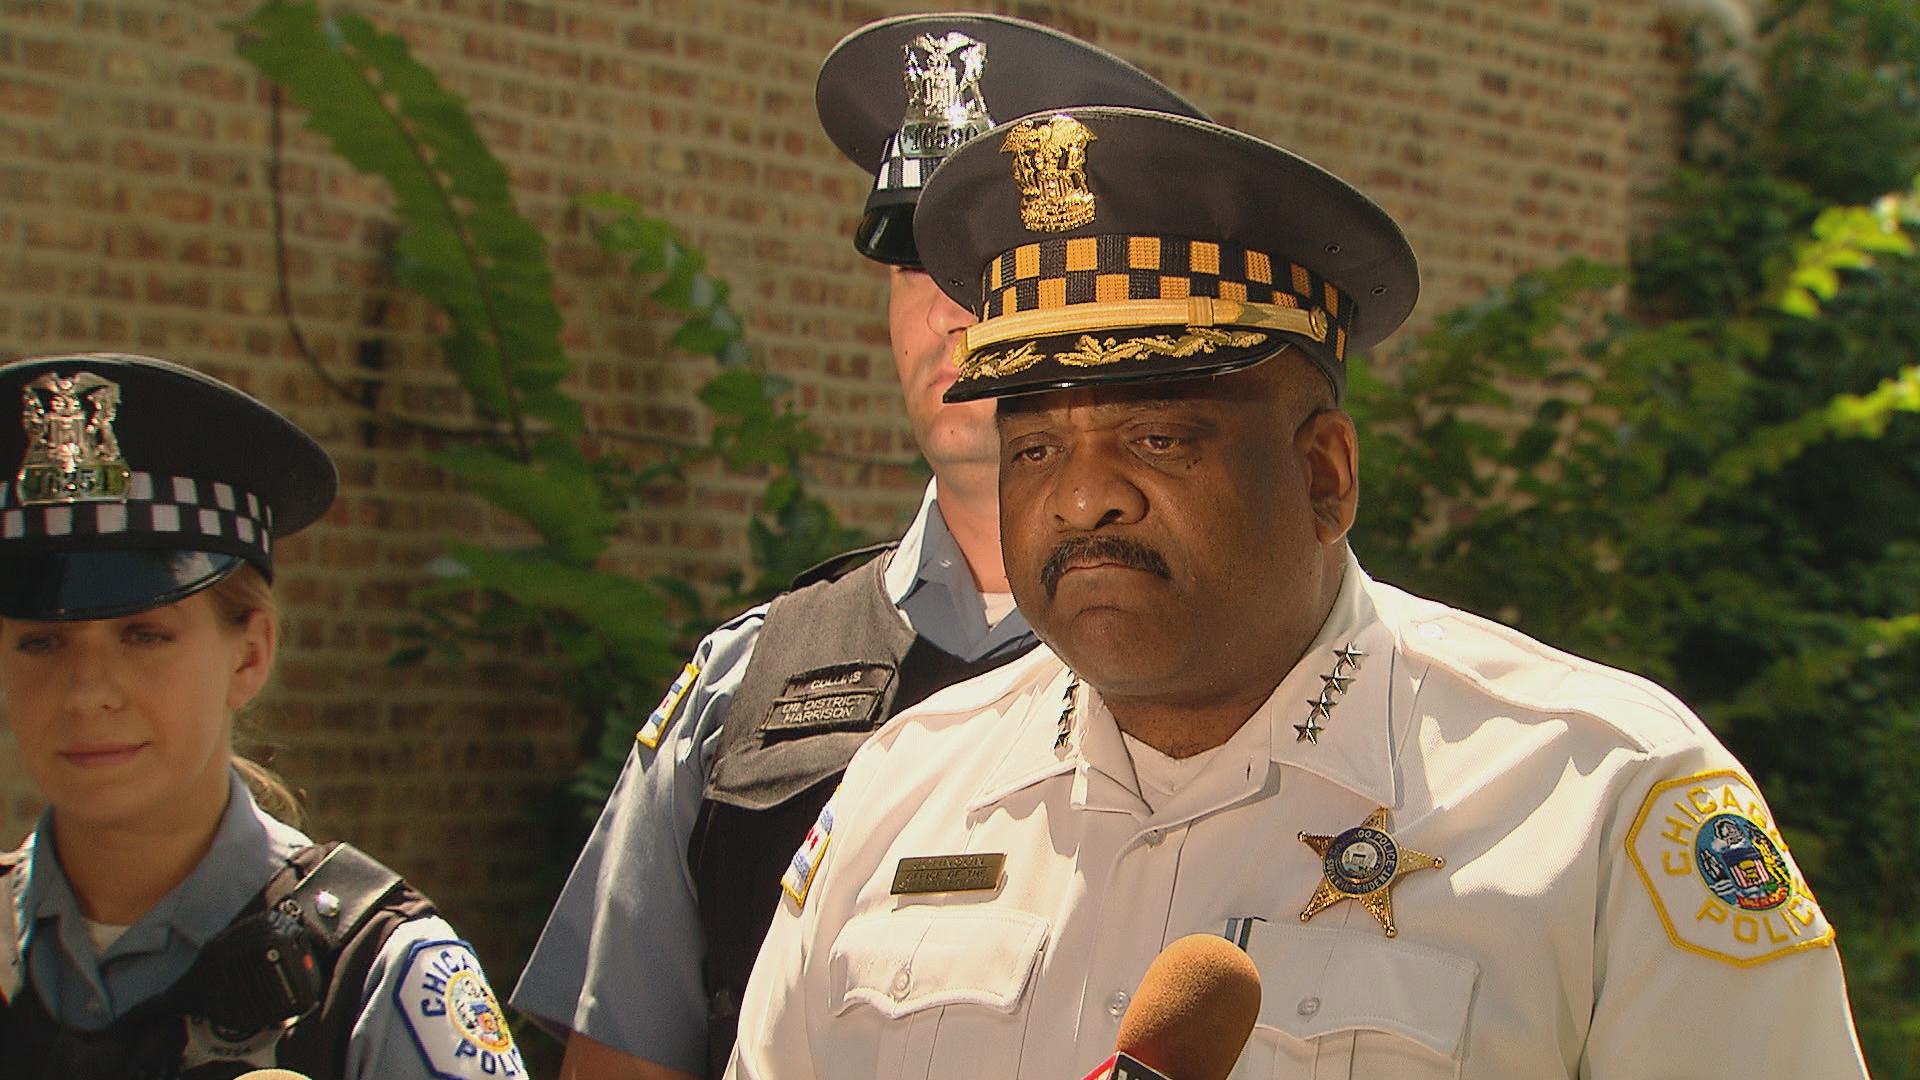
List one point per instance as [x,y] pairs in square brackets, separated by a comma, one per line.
[900,962]
[1316,982]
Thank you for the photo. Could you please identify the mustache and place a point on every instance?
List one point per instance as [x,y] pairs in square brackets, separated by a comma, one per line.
[1110,549]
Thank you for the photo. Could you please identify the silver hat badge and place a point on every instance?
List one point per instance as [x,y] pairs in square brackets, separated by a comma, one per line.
[72,455]
[944,105]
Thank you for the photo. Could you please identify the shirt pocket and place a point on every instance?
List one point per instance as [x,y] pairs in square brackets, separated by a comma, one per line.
[944,985]
[1344,1004]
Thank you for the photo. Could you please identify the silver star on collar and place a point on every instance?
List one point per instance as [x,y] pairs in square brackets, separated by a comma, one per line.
[1066,714]
[1346,659]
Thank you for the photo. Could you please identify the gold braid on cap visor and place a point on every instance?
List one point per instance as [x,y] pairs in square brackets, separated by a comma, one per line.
[1223,296]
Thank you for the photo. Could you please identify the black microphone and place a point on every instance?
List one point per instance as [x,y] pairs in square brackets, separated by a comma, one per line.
[1191,1016]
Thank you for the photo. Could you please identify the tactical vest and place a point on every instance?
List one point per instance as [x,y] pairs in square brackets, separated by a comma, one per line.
[336,901]
[833,662]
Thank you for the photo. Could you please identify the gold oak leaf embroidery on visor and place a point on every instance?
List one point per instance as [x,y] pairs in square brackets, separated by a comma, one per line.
[1089,351]
[993,365]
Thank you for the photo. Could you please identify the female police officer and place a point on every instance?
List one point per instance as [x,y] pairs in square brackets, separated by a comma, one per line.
[158,923]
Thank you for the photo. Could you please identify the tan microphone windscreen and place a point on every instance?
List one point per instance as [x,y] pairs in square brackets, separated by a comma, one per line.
[1194,1010]
[272,1074]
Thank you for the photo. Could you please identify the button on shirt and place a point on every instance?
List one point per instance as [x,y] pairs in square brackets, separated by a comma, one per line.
[85,989]
[1564,797]
[620,957]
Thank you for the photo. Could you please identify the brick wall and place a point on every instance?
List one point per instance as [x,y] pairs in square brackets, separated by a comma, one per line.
[134,216]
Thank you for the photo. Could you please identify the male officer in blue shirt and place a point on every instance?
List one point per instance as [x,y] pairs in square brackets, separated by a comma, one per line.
[646,954]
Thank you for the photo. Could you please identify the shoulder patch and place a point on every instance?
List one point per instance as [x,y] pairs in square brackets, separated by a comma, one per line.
[798,880]
[1719,873]
[661,718]
[453,1015]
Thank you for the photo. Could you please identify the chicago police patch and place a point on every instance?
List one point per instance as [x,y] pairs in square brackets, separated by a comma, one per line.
[453,1015]
[1719,873]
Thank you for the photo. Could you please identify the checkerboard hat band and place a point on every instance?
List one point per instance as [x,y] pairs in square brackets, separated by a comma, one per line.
[1065,272]
[901,172]
[177,508]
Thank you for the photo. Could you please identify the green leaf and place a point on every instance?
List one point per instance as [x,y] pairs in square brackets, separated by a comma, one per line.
[559,498]
[649,247]
[738,393]
[627,616]
[463,244]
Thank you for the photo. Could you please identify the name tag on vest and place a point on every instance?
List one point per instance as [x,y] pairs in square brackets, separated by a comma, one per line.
[844,697]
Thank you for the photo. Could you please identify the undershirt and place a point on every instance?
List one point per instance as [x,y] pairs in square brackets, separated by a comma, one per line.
[997,605]
[1162,777]
[103,935]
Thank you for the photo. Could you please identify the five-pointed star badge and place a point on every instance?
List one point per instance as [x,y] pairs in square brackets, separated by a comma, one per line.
[1363,863]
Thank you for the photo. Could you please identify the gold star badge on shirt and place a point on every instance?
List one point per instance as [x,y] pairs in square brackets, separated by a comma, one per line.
[1363,863]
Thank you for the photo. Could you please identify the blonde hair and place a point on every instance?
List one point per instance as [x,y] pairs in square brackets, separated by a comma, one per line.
[235,598]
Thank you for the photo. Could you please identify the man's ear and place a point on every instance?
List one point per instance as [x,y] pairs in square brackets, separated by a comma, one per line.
[1329,449]
[253,660]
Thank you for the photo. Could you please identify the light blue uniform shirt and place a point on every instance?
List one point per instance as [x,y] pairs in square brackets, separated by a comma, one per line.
[401,1032]
[620,958]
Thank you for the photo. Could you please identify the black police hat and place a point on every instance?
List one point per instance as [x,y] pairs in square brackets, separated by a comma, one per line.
[141,482]
[1117,245]
[898,95]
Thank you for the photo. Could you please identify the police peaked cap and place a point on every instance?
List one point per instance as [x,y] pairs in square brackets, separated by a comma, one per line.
[1119,245]
[1005,68]
[137,482]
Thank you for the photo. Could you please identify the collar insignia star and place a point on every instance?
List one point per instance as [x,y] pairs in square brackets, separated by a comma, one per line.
[1363,863]
[1346,660]
[1061,733]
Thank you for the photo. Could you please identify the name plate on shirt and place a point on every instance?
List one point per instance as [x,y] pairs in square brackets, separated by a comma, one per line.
[948,873]
[843,697]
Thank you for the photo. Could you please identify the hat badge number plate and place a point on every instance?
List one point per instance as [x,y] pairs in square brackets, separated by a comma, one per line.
[1050,166]
[944,104]
[72,455]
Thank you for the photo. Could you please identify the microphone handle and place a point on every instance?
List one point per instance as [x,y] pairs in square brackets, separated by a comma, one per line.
[1117,1067]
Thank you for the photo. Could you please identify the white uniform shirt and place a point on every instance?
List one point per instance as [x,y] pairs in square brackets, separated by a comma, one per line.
[1574,929]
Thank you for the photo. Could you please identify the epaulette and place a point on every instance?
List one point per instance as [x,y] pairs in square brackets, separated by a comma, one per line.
[336,897]
[838,566]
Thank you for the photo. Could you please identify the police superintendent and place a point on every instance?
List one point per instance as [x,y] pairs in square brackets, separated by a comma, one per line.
[1450,850]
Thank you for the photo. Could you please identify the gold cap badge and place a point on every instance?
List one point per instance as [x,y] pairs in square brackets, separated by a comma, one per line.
[1050,165]
[72,454]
